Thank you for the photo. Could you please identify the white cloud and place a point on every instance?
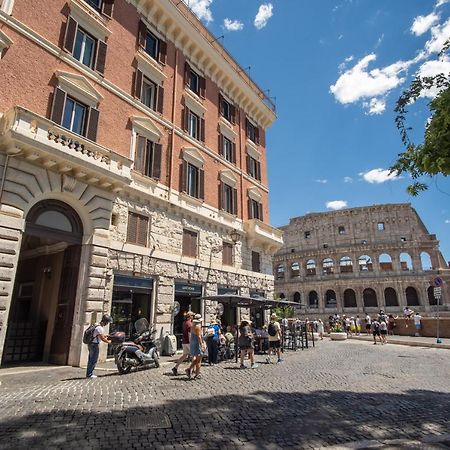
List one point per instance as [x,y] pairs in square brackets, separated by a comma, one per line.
[441,2]
[201,8]
[343,65]
[375,106]
[439,35]
[265,12]
[422,24]
[336,204]
[358,83]
[378,176]
[447,221]
[348,180]
[431,68]
[233,25]
[321,181]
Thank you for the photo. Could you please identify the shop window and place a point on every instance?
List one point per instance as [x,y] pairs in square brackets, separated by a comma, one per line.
[137,230]
[190,243]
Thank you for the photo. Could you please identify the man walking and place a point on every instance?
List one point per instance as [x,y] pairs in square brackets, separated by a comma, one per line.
[274,331]
[418,323]
[98,334]
[185,341]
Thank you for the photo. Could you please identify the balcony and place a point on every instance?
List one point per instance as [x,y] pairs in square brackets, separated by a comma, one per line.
[260,232]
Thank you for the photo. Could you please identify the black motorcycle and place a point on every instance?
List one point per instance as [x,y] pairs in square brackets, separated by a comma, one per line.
[141,351]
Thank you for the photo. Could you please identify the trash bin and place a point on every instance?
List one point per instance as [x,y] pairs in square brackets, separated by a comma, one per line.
[170,345]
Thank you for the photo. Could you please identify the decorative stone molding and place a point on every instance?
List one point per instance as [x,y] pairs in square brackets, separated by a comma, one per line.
[193,156]
[226,130]
[254,194]
[228,178]
[7,6]
[5,42]
[89,19]
[149,67]
[193,103]
[79,87]
[251,151]
[146,127]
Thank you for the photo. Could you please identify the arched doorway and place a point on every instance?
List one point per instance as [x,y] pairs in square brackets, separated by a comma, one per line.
[297,297]
[313,299]
[370,298]
[412,299]
[43,300]
[349,298]
[330,299]
[390,297]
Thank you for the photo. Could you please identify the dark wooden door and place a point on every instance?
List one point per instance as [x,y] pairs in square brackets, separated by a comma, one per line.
[62,329]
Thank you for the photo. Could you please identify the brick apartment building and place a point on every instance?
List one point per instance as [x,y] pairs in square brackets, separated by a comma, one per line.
[360,260]
[133,172]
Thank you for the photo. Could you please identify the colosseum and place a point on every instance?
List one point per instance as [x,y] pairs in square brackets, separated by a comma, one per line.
[360,260]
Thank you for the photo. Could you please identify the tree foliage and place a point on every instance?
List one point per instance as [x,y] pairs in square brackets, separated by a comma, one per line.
[431,157]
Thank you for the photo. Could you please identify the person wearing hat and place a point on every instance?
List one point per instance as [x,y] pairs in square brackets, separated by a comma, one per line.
[197,347]
[185,340]
[97,336]
[274,331]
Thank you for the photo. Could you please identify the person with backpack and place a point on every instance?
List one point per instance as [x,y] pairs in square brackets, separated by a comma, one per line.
[274,331]
[92,337]
[375,326]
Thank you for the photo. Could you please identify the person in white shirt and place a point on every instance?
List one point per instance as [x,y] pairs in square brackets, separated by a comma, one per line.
[93,347]
[383,331]
[418,323]
[368,324]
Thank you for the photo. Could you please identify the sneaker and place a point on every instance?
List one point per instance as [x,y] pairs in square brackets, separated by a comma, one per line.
[268,360]
[175,371]
[242,366]
[254,366]
[92,376]
[188,373]
[279,360]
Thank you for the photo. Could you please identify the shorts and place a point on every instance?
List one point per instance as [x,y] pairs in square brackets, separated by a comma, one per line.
[376,333]
[186,349]
[418,326]
[274,344]
[383,332]
[367,326]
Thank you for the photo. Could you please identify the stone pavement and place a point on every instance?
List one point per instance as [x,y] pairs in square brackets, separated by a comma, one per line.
[349,394]
[410,340]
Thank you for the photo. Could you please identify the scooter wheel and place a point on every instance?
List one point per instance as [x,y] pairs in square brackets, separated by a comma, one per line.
[156,360]
[122,366]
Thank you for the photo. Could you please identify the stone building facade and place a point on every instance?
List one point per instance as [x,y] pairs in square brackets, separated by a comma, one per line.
[360,260]
[133,172]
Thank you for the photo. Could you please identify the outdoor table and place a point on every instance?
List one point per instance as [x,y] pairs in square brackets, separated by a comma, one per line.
[261,338]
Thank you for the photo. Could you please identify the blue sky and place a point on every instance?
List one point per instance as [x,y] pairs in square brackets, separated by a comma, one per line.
[336,68]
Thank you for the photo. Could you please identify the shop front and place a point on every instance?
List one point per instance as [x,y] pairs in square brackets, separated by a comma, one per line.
[229,315]
[257,312]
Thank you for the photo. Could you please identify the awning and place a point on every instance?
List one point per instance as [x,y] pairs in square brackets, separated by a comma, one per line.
[241,301]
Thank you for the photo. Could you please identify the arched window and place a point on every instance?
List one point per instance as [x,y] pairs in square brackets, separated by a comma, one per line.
[390,297]
[370,298]
[406,262]
[346,264]
[280,272]
[295,269]
[313,299]
[385,263]
[412,299]
[328,266]
[330,299]
[282,296]
[349,298]
[426,261]
[310,267]
[365,263]
[297,297]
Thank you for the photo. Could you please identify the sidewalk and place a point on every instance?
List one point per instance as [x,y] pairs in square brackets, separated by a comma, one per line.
[408,340]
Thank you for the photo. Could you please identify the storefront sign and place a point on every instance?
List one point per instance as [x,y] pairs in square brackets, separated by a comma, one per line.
[190,289]
[133,282]
[229,291]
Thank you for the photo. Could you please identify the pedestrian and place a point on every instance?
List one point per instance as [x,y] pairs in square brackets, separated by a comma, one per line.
[358,325]
[418,324]
[187,324]
[274,331]
[368,324]
[245,342]
[213,333]
[383,331]
[98,334]
[320,329]
[348,325]
[407,313]
[375,327]
[197,347]
[391,324]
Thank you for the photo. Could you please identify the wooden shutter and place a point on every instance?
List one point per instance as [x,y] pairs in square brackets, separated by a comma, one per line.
[138,81]
[256,135]
[235,202]
[220,104]
[142,229]
[202,91]
[202,129]
[101,57]
[139,154]
[227,254]
[262,137]
[233,152]
[258,170]
[201,184]
[220,145]
[160,102]
[157,153]
[187,72]
[142,34]
[107,8]
[162,57]
[185,118]
[193,244]
[132,228]
[59,100]
[69,38]
[249,205]
[233,114]
[260,212]
[92,124]
[183,176]
[186,243]
[248,164]
[247,123]
[221,195]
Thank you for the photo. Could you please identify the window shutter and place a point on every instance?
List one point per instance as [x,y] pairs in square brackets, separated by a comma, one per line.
[101,57]
[142,230]
[157,153]
[186,243]
[162,57]
[262,137]
[256,135]
[220,198]
[258,170]
[249,204]
[202,129]
[220,104]
[260,212]
[138,80]
[160,105]
[233,114]
[246,127]
[202,87]
[185,118]
[233,152]
[201,184]
[248,163]
[69,38]
[183,176]
[132,228]
[193,244]
[139,155]
[220,145]
[235,202]
[92,124]
[187,72]
[107,8]
[142,34]
[59,99]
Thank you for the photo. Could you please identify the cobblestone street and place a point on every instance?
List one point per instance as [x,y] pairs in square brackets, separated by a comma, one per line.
[337,393]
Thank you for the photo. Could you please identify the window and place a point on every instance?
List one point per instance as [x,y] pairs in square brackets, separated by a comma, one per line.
[226,109]
[341,229]
[295,269]
[256,263]
[380,226]
[137,230]
[147,157]
[84,48]
[74,116]
[307,234]
[280,272]
[149,90]
[97,4]
[192,180]
[194,82]
[253,168]
[252,132]
[228,198]
[193,125]
[346,264]
[255,209]
[310,267]
[227,149]
[189,243]
[227,254]
[328,266]
[151,45]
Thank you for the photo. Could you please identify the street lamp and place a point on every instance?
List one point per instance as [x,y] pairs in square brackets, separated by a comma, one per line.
[235,236]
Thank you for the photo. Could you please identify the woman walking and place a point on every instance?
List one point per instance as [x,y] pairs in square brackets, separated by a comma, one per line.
[197,347]
[246,344]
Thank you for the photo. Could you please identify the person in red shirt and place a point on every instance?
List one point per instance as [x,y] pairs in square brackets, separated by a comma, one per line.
[185,341]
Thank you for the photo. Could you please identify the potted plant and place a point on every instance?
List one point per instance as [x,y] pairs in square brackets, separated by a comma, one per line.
[337,333]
